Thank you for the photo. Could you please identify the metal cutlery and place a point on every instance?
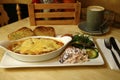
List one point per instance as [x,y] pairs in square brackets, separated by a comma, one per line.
[109,46]
[114,44]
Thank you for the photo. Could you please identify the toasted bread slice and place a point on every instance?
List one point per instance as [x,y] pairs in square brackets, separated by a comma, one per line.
[44,31]
[20,33]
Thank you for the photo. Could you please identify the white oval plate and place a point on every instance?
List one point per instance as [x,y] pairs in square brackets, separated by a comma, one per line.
[32,58]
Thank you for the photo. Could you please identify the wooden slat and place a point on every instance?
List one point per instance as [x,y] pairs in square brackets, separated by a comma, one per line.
[18,11]
[15,1]
[54,14]
[55,22]
[31,14]
[55,6]
[77,14]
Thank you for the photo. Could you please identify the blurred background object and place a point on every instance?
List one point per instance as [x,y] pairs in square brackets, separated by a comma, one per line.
[112,6]
[3,16]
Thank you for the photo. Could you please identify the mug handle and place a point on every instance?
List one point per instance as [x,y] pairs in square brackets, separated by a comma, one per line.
[102,26]
[107,21]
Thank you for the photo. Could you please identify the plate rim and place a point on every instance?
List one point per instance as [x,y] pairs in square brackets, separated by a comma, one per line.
[6,65]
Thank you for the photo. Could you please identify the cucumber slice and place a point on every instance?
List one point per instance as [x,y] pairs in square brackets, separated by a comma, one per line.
[92,53]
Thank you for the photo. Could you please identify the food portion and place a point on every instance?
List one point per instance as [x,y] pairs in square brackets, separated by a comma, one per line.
[80,49]
[35,46]
[82,41]
[26,32]
[20,33]
[74,55]
[44,31]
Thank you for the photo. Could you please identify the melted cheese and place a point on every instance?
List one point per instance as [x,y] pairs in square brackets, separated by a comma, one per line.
[36,46]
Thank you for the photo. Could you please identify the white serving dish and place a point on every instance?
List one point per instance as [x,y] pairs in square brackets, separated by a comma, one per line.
[41,57]
[9,62]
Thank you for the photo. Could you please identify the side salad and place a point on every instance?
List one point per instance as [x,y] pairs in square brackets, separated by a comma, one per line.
[83,41]
[80,49]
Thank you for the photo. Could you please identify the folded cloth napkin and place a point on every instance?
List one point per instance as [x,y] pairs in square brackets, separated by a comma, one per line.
[107,53]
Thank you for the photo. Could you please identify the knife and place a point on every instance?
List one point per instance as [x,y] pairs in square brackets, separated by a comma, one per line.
[114,44]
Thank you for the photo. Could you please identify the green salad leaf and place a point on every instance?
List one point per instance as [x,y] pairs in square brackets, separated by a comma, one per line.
[82,41]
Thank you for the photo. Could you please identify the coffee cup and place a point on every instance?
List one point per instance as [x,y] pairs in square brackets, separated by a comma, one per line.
[95,18]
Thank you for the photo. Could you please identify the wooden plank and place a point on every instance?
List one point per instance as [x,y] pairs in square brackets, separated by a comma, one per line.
[18,11]
[54,14]
[77,12]
[31,14]
[55,22]
[55,6]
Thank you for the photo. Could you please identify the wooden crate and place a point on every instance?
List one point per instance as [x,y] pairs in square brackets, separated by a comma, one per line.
[59,14]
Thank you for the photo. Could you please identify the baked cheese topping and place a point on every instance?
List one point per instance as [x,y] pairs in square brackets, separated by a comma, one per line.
[34,46]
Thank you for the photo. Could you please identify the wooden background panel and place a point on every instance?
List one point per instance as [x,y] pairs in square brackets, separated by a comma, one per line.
[16,1]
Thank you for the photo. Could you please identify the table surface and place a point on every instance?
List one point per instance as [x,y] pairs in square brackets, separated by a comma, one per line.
[58,73]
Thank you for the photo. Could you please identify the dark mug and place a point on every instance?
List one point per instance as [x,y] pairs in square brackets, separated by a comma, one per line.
[95,18]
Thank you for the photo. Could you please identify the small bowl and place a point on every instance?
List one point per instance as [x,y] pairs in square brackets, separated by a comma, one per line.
[33,58]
